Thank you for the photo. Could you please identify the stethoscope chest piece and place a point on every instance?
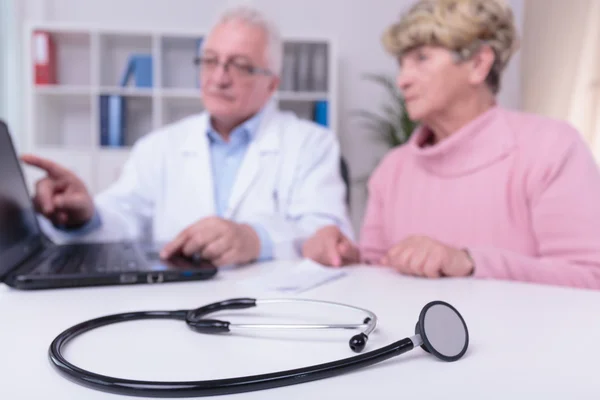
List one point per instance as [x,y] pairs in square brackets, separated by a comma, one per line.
[442,331]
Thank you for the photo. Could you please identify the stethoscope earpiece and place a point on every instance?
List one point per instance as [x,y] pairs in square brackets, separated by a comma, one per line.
[358,342]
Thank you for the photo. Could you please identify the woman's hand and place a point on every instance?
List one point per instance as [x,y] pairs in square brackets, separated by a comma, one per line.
[329,246]
[423,256]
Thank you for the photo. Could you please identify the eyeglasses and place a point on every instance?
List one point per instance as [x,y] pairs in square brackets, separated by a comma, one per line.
[235,67]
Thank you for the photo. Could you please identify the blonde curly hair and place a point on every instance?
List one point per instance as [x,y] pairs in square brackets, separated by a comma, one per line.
[461,26]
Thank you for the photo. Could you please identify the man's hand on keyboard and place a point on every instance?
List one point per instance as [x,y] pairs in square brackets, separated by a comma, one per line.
[216,239]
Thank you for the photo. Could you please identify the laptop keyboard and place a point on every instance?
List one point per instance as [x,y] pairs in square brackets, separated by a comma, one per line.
[89,258]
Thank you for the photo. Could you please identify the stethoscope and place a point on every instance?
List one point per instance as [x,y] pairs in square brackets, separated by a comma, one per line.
[440,331]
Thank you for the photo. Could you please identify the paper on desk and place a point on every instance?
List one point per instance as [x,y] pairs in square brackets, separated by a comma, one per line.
[298,278]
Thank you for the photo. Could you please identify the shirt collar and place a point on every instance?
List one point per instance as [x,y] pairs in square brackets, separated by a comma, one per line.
[246,131]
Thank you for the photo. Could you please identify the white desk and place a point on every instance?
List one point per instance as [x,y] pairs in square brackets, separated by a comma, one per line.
[526,340]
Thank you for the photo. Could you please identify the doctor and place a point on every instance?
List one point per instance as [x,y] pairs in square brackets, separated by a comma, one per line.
[237,183]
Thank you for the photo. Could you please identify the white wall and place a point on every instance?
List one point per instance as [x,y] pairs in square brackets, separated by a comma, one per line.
[356,25]
[9,67]
[552,46]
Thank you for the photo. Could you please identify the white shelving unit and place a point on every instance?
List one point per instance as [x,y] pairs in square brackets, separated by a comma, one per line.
[62,120]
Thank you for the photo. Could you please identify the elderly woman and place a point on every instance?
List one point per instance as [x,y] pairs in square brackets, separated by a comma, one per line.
[478,190]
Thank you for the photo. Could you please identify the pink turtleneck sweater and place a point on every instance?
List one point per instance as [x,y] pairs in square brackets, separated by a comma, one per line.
[520,192]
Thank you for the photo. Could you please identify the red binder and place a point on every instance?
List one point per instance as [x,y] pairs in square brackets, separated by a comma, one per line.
[44,58]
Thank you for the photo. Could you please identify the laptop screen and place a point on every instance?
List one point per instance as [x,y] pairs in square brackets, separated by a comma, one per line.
[19,232]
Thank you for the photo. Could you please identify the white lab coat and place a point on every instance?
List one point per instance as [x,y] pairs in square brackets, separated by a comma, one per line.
[289,182]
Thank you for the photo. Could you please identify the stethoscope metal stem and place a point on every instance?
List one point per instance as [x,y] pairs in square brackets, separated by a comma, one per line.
[416,340]
[233,327]
[369,325]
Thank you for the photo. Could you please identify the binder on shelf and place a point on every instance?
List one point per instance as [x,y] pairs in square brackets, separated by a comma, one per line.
[113,107]
[140,68]
[320,112]
[197,55]
[289,72]
[303,67]
[112,121]
[44,58]
[319,67]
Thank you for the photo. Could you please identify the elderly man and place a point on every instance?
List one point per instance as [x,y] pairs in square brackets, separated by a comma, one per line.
[240,182]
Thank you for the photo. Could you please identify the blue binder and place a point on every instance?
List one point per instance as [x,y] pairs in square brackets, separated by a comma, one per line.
[320,112]
[112,121]
[140,68]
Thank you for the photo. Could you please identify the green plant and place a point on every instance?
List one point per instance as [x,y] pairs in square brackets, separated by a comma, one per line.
[394,126]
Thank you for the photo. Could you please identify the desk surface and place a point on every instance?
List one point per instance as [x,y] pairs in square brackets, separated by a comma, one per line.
[526,340]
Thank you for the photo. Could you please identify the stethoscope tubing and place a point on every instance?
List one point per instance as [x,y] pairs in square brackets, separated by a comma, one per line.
[203,388]
[244,384]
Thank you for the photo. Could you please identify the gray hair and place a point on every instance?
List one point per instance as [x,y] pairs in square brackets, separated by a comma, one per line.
[254,17]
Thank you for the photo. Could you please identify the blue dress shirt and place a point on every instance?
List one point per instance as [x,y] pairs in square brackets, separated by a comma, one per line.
[226,158]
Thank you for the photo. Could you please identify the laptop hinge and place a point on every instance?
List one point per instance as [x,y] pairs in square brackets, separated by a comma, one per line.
[39,247]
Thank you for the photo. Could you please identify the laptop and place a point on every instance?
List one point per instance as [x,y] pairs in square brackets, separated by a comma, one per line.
[30,260]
